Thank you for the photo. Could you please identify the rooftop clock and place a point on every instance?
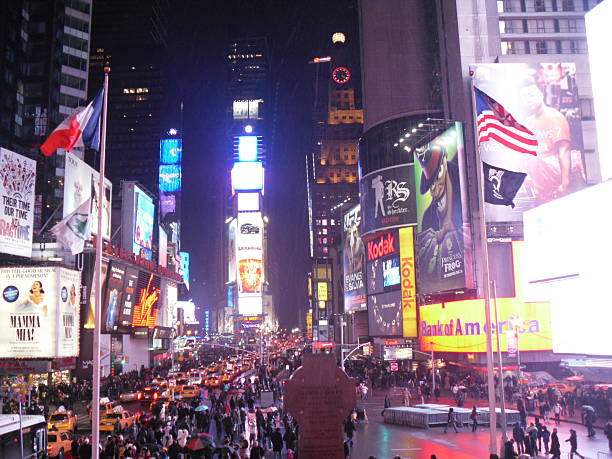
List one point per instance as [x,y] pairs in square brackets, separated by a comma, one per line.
[341,75]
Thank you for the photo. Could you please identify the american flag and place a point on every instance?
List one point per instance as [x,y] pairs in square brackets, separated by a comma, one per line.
[494,122]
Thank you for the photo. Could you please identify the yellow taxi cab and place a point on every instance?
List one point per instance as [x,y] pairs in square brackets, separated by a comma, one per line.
[106,406]
[212,381]
[63,420]
[227,377]
[117,421]
[188,391]
[58,443]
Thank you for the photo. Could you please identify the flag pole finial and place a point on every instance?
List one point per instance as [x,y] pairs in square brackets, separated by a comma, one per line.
[107,67]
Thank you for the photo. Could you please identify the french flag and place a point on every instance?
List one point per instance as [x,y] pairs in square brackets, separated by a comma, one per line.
[80,129]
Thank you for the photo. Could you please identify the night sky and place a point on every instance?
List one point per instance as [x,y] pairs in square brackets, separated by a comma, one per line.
[199,36]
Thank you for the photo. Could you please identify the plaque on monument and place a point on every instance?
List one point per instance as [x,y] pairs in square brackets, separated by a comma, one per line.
[320,396]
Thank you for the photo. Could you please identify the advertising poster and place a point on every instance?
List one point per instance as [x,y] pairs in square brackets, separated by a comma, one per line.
[544,98]
[185,267]
[231,250]
[163,247]
[441,233]
[144,211]
[407,268]
[249,249]
[460,326]
[170,178]
[385,314]
[17,183]
[353,262]
[69,306]
[129,296]
[80,184]
[113,297]
[167,204]
[146,307]
[37,313]
[387,199]
[90,312]
[383,263]
[171,151]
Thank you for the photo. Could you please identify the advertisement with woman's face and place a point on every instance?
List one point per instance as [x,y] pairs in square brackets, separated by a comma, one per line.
[544,98]
[36,314]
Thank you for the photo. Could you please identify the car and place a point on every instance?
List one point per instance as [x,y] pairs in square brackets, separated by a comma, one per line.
[106,406]
[189,391]
[212,381]
[227,377]
[131,396]
[63,420]
[58,443]
[150,393]
[117,421]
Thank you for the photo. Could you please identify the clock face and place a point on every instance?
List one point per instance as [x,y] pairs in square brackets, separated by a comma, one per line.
[341,75]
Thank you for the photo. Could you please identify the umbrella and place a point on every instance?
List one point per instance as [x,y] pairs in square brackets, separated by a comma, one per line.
[575,378]
[588,408]
[201,441]
[201,408]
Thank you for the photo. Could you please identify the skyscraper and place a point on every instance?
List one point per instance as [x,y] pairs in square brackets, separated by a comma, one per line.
[44,57]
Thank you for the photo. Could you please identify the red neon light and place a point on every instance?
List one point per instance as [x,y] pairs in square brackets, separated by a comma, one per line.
[145,313]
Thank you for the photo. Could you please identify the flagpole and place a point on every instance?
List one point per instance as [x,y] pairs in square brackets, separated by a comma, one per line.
[485,286]
[95,402]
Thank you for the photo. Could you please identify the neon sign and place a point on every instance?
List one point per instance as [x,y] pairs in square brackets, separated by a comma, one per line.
[145,311]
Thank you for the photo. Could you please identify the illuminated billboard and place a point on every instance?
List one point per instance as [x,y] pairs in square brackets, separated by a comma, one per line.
[387,199]
[17,183]
[129,296]
[382,255]
[385,314]
[248,176]
[171,151]
[544,98]
[353,262]
[567,264]
[249,262]
[144,211]
[113,297]
[170,178]
[246,109]
[460,326]
[80,184]
[167,204]
[247,148]
[248,202]
[185,265]
[408,282]
[39,309]
[146,307]
[441,231]
[598,35]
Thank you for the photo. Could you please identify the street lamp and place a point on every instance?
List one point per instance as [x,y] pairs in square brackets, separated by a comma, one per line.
[516,323]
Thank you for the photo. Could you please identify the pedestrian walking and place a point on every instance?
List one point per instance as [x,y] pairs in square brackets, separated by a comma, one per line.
[277,443]
[474,418]
[555,446]
[349,430]
[573,441]
[519,437]
[608,434]
[546,438]
[452,420]
[557,413]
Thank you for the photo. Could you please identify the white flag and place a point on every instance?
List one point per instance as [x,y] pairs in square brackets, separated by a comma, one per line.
[74,230]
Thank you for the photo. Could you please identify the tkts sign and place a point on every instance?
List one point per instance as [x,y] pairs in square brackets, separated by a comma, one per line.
[382,245]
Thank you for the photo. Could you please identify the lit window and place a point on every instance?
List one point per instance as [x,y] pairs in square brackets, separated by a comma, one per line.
[324,222]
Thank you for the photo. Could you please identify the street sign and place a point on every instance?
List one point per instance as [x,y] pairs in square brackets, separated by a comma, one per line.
[394,366]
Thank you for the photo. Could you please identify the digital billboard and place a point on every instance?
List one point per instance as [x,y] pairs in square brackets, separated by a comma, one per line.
[598,35]
[113,297]
[382,267]
[185,267]
[130,294]
[397,353]
[171,151]
[249,262]
[17,183]
[565,263]
[167,204]
[387,199]
[544,98]
[460,326]
[248,202]
[80,184]
[90,308]
[408,286]
[232,229]
[170,178]
[39,310]
[353,261]
[163,247]
[246,109]
[247,148]
[147,305]
[385,314]
[248,176]
[441,232]
[144,212]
